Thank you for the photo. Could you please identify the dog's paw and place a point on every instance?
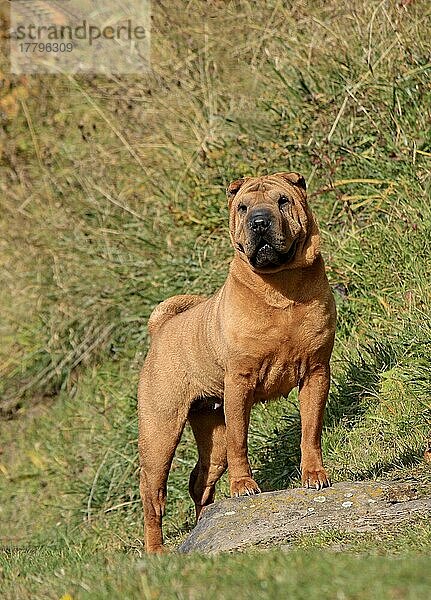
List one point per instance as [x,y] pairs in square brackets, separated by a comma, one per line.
[199,511]
[245,486]
[315,478]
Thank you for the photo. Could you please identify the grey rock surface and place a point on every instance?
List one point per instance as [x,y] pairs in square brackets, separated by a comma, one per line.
[274,518]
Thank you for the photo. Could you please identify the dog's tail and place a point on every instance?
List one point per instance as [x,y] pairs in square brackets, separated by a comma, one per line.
[171,307]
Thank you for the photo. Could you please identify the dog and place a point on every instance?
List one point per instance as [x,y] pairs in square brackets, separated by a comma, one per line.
[268,329]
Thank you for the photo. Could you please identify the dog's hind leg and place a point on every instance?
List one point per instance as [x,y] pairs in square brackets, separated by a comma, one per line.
[159,434]
[209,429]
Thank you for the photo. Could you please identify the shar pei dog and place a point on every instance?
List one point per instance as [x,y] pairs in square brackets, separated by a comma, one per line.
[268,329]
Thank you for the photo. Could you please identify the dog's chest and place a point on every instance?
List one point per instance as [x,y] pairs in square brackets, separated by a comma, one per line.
[277,376]
[290,344]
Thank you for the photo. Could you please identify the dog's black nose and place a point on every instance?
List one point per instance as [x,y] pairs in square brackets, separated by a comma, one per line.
[259,220]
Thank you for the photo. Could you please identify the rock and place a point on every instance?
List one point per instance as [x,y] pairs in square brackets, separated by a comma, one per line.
[274,518]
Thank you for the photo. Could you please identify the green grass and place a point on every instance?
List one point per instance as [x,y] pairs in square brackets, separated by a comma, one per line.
[97,228]
[85,573]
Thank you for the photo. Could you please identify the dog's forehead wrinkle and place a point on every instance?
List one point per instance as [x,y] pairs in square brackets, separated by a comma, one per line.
[250,186]
[268,187]
[285,187]
[273,194]
[270,182]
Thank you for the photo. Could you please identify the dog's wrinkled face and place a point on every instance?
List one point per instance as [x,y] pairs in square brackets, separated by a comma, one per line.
[269,219]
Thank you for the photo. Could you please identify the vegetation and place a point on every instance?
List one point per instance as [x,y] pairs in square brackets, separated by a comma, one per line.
[112,198]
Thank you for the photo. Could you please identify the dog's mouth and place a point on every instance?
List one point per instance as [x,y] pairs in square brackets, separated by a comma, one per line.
[265,255]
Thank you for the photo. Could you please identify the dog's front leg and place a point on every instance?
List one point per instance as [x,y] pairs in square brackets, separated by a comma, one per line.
[238,400]
[313,393]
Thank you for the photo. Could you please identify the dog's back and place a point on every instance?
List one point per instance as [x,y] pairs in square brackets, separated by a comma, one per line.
[171,307]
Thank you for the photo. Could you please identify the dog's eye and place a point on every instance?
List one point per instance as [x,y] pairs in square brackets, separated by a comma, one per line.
[283,201]
[242,208]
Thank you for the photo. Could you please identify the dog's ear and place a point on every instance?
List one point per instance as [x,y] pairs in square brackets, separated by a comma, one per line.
[295,179]
[233,188]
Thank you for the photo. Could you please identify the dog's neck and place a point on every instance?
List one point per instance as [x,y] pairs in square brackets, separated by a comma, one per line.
[284,288]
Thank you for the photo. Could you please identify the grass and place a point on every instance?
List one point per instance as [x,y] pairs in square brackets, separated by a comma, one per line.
[77,573]
[113,199]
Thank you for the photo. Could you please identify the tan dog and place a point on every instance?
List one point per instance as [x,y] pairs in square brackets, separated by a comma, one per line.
[269,329]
